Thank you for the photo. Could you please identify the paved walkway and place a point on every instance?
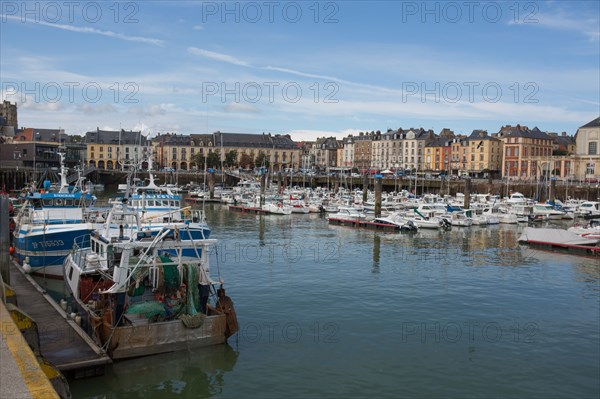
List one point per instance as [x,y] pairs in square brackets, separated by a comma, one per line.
[20,373]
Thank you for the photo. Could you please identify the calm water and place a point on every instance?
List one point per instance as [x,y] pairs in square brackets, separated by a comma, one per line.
[336,312]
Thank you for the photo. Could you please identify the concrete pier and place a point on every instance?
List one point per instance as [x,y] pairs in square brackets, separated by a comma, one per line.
[21,376]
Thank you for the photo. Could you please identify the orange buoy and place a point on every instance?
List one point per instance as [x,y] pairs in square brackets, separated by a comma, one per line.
[11,250]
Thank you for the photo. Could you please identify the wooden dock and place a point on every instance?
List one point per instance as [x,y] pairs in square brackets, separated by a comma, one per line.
[62,341]
[240,208]
[364,224]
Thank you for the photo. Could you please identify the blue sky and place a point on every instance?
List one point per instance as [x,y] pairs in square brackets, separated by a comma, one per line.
[305,68]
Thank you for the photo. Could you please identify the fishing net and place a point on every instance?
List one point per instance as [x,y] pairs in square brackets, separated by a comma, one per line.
[149,309]
[193,321]
[169,277]
[193,296]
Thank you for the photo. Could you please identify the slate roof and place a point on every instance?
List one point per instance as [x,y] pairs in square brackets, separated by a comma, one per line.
[523,131]
[594,123]
[114,137]
[254,140]
[479,135]
[173,139]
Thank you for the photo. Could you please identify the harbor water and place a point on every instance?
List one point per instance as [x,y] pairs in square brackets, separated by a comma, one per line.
[332,311]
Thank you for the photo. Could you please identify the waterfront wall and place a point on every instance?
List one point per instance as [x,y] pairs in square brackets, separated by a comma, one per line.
[12,179]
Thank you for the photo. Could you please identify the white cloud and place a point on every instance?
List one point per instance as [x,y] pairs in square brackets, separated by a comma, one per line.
[150,109]
[198,27]
[562,20]
[312,135]
[217,56]
[241,108]
[93,109]
[116,35]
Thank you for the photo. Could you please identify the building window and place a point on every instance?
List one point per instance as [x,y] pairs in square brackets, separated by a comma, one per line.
[590,168]
[592,148]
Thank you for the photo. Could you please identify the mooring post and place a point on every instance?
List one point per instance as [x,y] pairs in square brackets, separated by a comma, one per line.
[263,183]
[4,239]
[279,189]
[553,189]
[211,184]
[378,186]
[365,186]
[467,203]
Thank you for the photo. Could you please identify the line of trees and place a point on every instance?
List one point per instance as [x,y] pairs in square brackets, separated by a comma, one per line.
[213,160]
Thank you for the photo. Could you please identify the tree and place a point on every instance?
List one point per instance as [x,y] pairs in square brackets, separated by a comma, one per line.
[213,159]
[262,160]
[199,160]
[231,158]
[246,162]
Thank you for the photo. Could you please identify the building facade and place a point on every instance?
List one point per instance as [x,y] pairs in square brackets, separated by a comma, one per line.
[587,153]
[115,150]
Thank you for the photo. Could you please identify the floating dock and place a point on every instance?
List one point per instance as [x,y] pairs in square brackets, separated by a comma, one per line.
[364,224]
[246,209]
[62,341]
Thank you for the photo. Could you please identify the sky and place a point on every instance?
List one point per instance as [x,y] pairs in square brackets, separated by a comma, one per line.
[305,68]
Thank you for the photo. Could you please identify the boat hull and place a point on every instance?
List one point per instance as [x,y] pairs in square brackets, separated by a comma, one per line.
[152,338]
[47,247]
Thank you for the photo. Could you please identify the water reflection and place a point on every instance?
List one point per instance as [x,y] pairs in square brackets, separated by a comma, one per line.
[376,250]
[197,373]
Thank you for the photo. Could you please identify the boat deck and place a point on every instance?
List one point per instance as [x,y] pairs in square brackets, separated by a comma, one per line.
[62,341]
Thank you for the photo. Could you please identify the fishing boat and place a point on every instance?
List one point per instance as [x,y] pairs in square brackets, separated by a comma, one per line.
[48,223]
[158,206]
[135,298]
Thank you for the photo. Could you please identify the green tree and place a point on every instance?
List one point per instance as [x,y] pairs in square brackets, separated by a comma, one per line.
[199,160]
[231,158]
[262,160]
[213,159]
[246,161]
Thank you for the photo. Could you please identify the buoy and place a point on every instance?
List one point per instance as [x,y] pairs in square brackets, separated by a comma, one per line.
[11,250]
[78,320]
[26,266]
[63,304]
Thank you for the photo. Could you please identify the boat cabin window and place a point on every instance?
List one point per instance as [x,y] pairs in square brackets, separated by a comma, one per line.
[48,202]
[58,202]
[68,202]
[150,203]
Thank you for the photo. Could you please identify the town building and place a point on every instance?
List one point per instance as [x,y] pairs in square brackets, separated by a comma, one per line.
[110,149]
[587,153]
[527,153]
